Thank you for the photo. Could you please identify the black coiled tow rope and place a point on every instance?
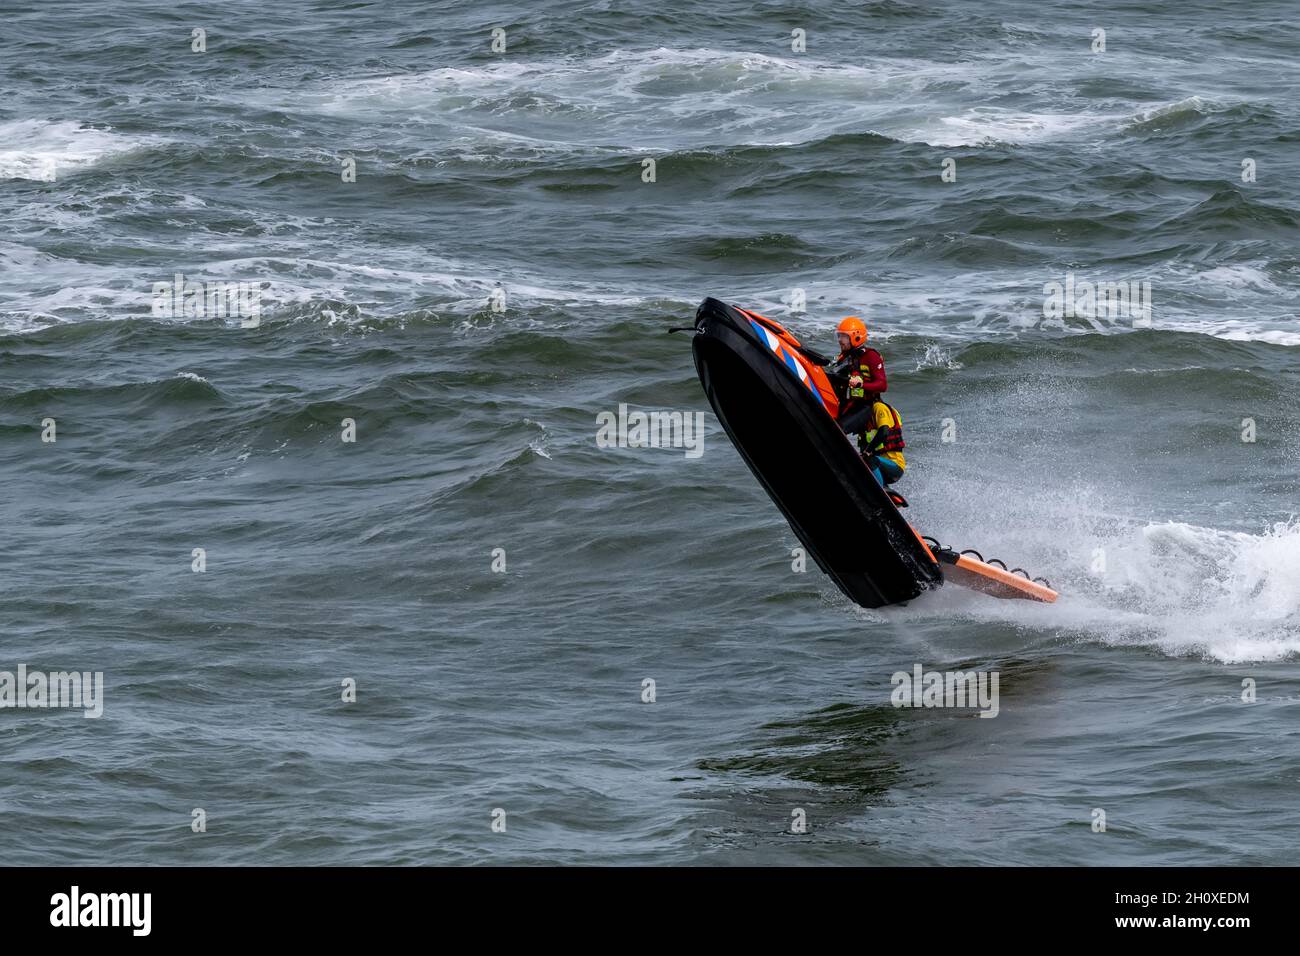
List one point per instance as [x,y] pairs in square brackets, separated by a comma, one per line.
[934,543]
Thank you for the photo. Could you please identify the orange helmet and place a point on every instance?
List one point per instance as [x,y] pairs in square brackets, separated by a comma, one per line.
[855,329]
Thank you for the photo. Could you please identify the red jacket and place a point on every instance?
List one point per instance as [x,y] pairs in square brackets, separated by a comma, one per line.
[872,369]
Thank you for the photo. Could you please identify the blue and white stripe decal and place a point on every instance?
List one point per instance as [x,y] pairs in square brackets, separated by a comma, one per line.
[775,345]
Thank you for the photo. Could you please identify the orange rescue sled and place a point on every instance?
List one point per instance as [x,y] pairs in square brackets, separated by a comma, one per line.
[990,576]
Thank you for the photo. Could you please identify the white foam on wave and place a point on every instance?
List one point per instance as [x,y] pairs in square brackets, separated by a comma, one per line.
[1188,106]
[626,74]
[1239,302]
[47,289]
[989,304]
[300,281]
[42,289]
[1268,336]
[1238,276]
[46,150]
[643,98]
[664,98]
[1132,571]
[983,126]
[1188,590]
[1264,307]
[1182,589]
[633,100]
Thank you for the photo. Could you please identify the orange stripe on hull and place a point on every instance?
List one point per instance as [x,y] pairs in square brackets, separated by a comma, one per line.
[923,543]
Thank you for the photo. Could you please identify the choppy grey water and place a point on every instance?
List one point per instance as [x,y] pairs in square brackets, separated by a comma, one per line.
[1105,453]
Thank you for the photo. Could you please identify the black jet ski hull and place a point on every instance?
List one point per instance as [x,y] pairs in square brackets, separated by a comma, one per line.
[784,431]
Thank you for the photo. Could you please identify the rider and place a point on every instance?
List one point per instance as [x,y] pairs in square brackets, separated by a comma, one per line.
[861,371]
[863,367]
[882,444]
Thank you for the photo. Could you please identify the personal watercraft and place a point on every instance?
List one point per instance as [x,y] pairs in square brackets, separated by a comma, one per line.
[780,409]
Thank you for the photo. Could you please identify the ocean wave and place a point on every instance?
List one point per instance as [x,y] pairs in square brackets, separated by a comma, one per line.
[47,150]
[985,126]
[1191,111]
[137,397]
[1228,596]
[1229,213]
[1180,588]
[641,99]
